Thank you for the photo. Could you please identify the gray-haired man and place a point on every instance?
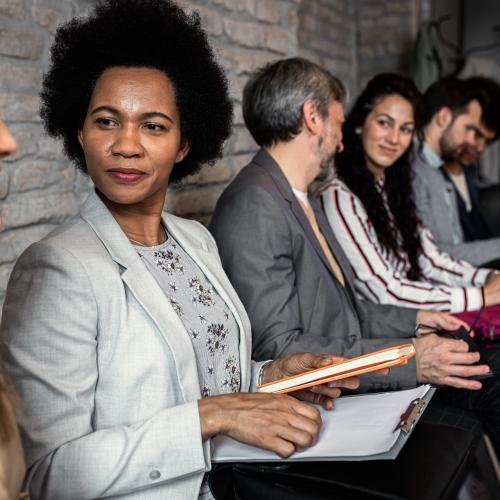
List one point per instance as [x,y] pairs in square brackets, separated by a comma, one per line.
[282,256]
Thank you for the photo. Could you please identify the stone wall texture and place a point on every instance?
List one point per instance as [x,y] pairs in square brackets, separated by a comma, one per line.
[39,188]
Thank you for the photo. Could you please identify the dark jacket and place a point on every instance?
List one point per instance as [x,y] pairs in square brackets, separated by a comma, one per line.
[294,301]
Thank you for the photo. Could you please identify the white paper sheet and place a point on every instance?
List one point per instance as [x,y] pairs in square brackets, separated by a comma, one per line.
[357,426]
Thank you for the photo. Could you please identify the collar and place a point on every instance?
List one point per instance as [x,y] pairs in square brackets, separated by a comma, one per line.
[431,158]
[303,197]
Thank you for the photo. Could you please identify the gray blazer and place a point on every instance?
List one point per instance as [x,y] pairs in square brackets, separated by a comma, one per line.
[105,367]
[438,209]
[289,290]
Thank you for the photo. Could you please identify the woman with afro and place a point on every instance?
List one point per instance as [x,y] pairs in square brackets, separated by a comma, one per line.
[126,341]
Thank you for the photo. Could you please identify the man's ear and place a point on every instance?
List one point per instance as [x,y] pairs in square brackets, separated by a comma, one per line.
[444,117]
[312,118]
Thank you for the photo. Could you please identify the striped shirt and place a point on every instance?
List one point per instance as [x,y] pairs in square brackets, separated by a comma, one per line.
[380,276]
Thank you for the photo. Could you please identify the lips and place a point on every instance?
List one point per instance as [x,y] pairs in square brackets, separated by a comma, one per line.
[388,151]
[126,175]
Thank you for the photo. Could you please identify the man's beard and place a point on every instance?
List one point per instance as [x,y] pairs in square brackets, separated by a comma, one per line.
[449,151]
[327,162]
[467,157]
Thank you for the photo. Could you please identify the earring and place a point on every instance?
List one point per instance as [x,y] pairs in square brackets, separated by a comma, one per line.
[358,130]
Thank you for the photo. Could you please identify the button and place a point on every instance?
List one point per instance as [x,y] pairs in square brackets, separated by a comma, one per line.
[154,474]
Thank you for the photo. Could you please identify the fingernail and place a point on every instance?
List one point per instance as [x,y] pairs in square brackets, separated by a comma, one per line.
[327,361]
[333,384]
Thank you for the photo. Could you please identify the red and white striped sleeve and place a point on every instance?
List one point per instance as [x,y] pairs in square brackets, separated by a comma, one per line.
[377,273]
[440,268]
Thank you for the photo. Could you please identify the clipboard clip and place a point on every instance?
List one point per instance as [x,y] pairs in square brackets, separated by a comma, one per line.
[410,417]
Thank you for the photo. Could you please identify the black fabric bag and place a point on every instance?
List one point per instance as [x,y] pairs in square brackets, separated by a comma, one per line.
[431,466]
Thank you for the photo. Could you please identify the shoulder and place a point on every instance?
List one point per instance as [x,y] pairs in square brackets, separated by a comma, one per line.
[252,178]
[339,187]
[71,253]
[340,198]
[251,193]
[75,238]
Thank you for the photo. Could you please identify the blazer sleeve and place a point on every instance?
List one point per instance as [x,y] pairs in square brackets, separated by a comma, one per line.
[422,195]
[50,325]
[255,244]
[477,253]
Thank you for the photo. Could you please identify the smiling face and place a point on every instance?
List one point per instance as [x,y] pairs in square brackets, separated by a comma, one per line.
[386,133]
[131,136]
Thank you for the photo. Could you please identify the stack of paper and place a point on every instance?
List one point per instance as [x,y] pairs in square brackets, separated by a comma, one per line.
[358,428]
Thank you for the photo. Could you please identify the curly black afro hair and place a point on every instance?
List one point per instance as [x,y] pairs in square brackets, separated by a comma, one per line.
[138,33]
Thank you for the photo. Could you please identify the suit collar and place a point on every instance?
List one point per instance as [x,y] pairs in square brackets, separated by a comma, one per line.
[97,215]
[264,160]
[149,294]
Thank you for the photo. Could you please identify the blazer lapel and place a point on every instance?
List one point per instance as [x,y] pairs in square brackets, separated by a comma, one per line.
[266,161]
[146,291]
[210,265]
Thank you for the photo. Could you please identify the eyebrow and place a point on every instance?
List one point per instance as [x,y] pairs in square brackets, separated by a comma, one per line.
[149,114]
[393,120]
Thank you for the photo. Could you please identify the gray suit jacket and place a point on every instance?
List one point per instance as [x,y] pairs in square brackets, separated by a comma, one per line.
[105,367]
[437,208]
[289,290]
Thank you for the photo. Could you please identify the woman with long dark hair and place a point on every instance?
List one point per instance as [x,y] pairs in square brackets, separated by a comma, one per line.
[371,209]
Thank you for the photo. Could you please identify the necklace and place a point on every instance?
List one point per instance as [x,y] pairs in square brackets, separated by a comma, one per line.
[139,243]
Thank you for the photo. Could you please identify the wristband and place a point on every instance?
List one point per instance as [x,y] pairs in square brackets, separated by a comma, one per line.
[261,372]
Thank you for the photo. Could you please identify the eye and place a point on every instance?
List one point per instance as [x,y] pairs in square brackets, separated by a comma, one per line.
[106,122]
[406,130]
[383,122]
[155,127]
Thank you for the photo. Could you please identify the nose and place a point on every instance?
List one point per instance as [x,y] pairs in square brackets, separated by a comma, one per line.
[470,137]
[481,147]
[8,144]
[393,136]
[127,142]
[340,147]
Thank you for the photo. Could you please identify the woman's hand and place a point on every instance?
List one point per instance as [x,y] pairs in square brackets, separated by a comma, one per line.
[492,290]
[323,394]
[274,422]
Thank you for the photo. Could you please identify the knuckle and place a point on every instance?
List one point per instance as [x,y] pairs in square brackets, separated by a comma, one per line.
[286,449]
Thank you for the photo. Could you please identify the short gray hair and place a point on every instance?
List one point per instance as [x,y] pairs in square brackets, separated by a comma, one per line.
[274,97]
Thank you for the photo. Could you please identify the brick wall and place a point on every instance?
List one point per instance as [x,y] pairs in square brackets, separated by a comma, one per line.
[39,188]
[385,32]
[246,35]
[327,36]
